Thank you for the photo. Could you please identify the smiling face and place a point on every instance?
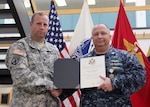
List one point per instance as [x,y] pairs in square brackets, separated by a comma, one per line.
[39,27]
[101,36]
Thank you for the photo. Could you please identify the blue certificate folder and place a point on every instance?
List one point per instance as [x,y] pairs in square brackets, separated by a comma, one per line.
[67,73]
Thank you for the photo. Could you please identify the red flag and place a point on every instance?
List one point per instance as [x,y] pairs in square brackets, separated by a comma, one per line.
[148,54]
[55,36]
[125,39]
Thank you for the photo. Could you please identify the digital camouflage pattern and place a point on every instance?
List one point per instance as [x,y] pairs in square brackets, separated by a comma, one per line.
[32,73]
[128,77]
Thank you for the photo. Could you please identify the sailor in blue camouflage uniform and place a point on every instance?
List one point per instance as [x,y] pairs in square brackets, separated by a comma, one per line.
[124,74]
[31,64]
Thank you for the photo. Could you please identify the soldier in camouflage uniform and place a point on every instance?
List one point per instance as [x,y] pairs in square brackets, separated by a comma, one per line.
[124,74]
[31,64]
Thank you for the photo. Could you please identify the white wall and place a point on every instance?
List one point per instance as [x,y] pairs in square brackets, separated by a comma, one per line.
[144,45]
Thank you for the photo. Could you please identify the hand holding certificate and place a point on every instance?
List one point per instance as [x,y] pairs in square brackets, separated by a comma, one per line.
[90,70]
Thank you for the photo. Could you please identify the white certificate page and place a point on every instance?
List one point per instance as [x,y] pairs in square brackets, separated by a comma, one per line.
[90,70]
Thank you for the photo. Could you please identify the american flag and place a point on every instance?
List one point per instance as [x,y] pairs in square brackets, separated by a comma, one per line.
[55,36]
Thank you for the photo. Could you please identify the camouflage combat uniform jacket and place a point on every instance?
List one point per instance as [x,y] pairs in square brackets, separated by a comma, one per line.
[32,73]
[129,76]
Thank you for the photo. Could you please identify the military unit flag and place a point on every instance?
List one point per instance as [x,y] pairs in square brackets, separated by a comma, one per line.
[124,38]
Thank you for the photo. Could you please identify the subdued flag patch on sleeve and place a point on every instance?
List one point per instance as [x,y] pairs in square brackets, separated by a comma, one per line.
[18,52]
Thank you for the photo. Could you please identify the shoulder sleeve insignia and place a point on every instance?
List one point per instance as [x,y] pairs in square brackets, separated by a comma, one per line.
[15,60]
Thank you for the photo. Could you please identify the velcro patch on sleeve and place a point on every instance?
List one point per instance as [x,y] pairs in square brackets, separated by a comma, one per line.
[18,52]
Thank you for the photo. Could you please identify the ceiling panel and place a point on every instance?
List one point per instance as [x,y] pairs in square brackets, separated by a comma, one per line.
[42,5]
[77,4]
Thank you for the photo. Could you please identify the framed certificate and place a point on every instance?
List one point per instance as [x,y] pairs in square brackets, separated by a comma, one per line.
[90,70]
[72,74]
